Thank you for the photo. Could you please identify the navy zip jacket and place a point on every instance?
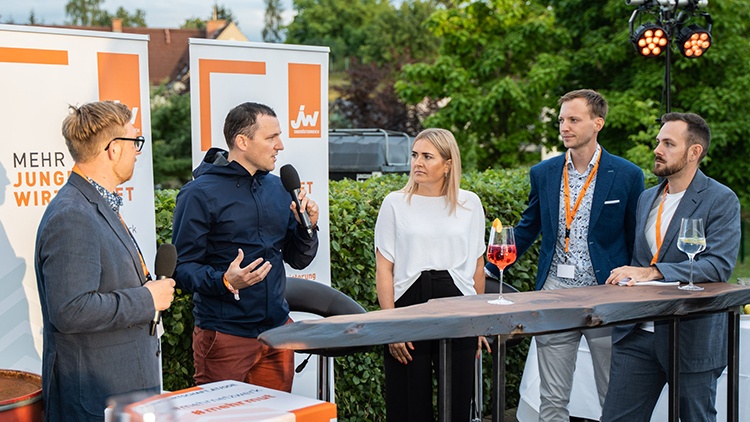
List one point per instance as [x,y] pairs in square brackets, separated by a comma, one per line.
[225,208]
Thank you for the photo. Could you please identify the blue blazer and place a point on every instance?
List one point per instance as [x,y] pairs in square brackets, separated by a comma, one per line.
[612,222]
[703,340]
[95,310]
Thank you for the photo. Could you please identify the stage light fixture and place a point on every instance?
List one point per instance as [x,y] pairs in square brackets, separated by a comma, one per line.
[650,40]
[693,41]
[668,3]
[669,21]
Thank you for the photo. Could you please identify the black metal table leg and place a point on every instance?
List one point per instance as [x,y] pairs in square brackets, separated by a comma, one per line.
[444,385]
[733,365]
[674,370]
[498,380]
[324,382]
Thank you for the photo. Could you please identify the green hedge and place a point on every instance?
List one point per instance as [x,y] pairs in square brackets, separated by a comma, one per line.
[177,342]
[359,378]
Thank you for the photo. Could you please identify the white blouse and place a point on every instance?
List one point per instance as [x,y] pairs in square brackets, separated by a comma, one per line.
[421,235]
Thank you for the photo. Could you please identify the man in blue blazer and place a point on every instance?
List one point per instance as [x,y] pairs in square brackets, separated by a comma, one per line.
[640,352]
[97,304]
[583,203]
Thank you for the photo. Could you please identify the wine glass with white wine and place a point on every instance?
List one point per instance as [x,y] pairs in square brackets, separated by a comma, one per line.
[692,240]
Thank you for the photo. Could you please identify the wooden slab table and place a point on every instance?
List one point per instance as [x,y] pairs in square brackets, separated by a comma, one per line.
[532,313]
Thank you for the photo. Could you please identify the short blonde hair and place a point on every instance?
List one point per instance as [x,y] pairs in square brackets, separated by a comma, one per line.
[595,101]
[444,141]
[88,127]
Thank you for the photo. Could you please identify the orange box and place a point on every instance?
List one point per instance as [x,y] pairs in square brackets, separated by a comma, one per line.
[231,400]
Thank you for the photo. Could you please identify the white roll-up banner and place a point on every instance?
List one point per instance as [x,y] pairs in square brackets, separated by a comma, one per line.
[293,81]
[42,71]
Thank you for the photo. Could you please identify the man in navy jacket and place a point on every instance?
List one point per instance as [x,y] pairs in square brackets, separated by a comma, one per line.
[234,226]
[583,237]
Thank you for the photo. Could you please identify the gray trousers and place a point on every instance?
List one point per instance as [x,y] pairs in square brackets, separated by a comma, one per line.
[638,378]
[557,354]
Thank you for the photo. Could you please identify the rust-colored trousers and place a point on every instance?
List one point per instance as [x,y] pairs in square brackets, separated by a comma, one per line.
[219,356]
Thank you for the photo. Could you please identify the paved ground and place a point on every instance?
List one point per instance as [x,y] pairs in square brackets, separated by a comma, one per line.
[510,416]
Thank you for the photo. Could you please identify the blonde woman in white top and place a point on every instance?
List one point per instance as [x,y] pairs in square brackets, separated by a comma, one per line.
[429,243]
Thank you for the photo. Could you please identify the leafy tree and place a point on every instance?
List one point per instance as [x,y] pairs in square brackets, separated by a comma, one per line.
[217,12]
[372,40]
[171,133]
[340,24]
[90,13]
[714,85]
[272,24]
[83,12]
[368,100]
[497,63]
[223,12]
[194,23]
[32,18]
[398,36]
[137,19]
[504,63]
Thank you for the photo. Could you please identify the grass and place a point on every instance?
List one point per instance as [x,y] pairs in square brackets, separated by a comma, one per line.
[742,269]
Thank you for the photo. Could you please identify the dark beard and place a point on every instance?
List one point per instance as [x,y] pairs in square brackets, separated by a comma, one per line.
[670,170]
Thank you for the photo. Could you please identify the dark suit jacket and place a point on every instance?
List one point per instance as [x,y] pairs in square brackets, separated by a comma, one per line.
[612,222]
[95,309]
[703,341]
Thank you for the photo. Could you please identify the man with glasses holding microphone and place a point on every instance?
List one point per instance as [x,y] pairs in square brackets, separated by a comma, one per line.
[96,294]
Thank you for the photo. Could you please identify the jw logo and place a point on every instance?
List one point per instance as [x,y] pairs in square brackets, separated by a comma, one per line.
[305,119]
[134,114]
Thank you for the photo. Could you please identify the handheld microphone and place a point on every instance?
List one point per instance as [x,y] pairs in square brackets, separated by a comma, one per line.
[290,179]
[164,265]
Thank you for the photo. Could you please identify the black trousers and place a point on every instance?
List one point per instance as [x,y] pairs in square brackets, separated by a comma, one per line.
[408,388]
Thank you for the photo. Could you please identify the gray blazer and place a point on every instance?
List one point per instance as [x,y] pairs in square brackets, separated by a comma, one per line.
[95,309]
[703,340]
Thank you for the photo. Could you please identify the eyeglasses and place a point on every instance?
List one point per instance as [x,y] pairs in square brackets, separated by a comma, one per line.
[139,141]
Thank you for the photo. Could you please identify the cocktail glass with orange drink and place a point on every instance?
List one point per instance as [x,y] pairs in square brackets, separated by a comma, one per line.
[501,251]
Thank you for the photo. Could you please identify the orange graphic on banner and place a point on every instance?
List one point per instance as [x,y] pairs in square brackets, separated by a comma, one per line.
[205,68]
[304,100]
[321,412]
[33,56]
[120,80]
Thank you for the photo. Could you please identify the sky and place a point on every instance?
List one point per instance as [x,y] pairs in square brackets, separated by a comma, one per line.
[159,13]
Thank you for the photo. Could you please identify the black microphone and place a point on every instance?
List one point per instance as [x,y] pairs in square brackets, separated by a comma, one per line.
[290,179]
[164,265]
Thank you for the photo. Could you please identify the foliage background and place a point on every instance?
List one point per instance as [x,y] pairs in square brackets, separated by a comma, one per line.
[177,341]
[171,134]
[492,71]
[503,64]
[354,206]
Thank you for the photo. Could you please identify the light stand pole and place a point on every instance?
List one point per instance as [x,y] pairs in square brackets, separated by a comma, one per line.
[669,29]
[650,40]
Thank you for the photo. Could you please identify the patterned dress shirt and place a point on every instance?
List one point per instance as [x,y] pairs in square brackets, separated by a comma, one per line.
[578,248]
